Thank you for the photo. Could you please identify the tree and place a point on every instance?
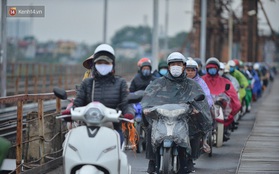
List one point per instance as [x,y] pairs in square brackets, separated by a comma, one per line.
[140,35]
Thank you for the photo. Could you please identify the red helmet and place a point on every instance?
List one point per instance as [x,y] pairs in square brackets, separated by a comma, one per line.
[236,61]
[145,59]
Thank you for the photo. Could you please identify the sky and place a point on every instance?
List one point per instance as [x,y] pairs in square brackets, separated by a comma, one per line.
[82,20]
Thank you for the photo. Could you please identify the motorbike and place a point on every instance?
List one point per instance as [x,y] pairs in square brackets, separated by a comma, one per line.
[93,147]
[140,143]
[134,134]
[220,113]
[170,132]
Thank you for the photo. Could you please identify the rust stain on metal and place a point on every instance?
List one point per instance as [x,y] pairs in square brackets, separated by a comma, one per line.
[19,136]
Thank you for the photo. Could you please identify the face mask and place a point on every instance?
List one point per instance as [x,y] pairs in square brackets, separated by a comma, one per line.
[231,69]
[221,72]
[176,71]
[145,72]
[163,71]
[212,71]
[103,69]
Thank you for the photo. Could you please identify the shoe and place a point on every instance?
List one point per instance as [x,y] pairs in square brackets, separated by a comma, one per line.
[206,147]
[190,166]
[226,137]
[248,109]
[151,166]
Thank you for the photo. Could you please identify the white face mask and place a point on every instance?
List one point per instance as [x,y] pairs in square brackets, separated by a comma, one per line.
[176,71]
[103,69]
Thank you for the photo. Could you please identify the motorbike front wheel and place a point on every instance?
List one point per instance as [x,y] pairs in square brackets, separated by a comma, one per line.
[219,135]
[167,163]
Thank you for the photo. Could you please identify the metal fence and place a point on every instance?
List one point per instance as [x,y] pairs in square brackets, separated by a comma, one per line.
[43,136]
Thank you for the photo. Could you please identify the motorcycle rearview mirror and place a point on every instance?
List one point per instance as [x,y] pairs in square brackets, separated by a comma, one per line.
[227,87]
[60,93]
[199,97]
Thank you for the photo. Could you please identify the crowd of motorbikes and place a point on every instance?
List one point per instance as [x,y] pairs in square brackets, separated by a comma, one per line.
[89,125]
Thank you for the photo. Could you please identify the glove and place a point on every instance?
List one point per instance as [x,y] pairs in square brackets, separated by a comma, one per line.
[230,117]
[67,112]
[129,116]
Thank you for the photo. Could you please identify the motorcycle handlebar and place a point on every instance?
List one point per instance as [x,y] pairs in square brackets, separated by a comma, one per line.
[127,120]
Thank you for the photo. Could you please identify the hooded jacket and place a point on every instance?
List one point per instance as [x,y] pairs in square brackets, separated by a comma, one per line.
[243,82]
[205,89]
[140,82]
[217,85]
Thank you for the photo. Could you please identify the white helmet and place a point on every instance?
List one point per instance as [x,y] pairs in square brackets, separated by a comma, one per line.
[231,63]
[213,60]
[222,66]
[190,63]
[104,52]
[227,68]
[176,57]
[256,66]
[104,47]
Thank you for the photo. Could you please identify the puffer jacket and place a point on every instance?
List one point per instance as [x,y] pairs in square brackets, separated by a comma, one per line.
[140,82]
[110,90]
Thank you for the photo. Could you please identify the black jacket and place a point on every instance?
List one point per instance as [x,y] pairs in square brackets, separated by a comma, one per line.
[110,90]
[140,82]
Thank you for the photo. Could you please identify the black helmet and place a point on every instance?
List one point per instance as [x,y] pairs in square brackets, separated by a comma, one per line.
[198,60]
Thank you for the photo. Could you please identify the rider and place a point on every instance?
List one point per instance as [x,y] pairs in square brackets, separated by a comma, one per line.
[248,97]
[192,72]
[144,76]
[174,87]
[257,86]
[217,85]
[87,63]
[104,86]
[200,68]
[242,80]
[227,75]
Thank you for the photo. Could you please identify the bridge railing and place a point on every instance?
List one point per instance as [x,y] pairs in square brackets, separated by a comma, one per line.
[40,126]
[30,78]
[24,78]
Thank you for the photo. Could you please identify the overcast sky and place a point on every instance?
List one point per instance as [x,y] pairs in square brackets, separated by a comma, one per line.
[82,20]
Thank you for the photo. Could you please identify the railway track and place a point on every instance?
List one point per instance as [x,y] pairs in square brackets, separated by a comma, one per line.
[8,117]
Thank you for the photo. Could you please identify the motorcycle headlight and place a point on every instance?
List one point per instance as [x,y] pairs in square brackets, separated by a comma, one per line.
[171,113]
[93,116]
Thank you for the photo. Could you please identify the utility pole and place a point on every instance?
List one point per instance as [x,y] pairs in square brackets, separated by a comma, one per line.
[230,33]
[155,42]
[105,21]
[203,31]
[166,27]
[3,51]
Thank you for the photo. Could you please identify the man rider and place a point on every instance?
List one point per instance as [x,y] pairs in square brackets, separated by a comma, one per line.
[175,88]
